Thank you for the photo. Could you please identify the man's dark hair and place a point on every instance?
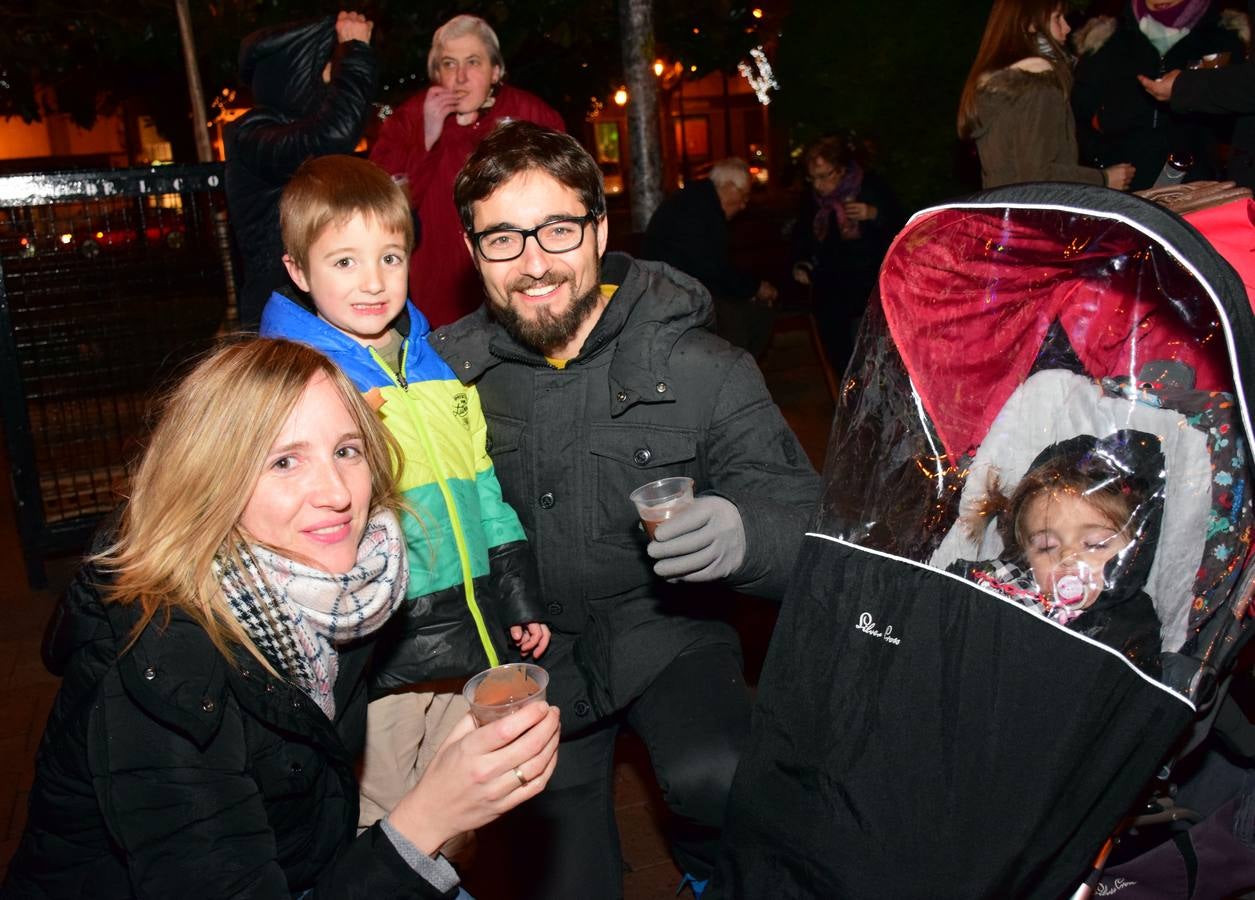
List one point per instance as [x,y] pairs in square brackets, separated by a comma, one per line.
[519,146]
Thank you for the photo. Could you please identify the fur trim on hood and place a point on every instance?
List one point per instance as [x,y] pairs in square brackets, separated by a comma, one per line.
[1090,37]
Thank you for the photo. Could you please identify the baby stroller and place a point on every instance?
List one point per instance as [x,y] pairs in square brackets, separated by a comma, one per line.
[939,716]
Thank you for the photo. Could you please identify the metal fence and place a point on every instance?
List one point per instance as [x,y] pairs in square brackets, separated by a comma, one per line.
[110,283]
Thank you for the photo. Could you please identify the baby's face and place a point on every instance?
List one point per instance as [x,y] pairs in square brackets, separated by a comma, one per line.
[1068,542]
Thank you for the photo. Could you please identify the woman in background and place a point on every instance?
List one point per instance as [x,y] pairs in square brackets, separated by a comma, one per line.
[845,222]
[1015,100]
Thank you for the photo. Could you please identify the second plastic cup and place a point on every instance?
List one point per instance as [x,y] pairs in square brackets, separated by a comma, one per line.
[495,693]
[660,500]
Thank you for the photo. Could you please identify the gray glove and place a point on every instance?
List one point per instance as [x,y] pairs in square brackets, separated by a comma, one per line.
[705,541]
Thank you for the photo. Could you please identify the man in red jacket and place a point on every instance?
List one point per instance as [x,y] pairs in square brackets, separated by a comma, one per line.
[428,139]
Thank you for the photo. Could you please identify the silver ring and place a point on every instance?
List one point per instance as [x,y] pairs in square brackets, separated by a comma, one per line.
[518,773]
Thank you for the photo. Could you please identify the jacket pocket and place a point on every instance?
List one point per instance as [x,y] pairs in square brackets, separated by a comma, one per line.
[627,456]
[504,444]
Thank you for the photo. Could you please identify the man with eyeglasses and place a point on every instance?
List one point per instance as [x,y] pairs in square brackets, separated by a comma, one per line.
[689,230]
[597,376]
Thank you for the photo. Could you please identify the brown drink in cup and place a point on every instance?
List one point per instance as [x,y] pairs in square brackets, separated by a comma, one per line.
[660,500]
[495,693]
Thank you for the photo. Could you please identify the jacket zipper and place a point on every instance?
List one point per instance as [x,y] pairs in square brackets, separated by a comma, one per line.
[459,538]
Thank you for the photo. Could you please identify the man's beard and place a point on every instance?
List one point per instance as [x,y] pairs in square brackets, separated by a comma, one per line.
[545,331]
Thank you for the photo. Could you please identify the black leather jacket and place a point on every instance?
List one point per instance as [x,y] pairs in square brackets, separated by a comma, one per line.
[296,117]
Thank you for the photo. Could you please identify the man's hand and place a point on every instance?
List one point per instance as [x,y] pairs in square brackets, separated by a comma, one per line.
[766,293]
[802,273]
[438,105]
[705,541]
[352,26]
[1160,88]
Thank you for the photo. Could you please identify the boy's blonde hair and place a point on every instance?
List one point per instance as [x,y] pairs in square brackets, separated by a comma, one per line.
[199,471]
[332,189]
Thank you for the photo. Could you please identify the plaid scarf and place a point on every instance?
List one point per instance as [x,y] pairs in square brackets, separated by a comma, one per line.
[296,614]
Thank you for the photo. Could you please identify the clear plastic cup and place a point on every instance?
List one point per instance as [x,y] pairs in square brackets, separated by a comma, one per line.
[495,693]
[660,500]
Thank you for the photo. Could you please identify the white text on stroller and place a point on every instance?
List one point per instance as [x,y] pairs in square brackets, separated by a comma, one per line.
[867,625]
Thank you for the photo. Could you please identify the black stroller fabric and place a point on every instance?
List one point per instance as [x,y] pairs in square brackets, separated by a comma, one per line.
[921,734]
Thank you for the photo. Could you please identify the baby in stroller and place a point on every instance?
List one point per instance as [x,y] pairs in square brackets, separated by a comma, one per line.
[1082,526]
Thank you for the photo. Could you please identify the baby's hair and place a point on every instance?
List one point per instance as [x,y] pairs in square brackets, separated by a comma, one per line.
[1085,474]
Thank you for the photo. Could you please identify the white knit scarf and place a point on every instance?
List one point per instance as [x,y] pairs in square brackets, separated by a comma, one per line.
[296,614]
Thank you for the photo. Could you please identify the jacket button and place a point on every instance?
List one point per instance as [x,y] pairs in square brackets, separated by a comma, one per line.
[546,500]
[246,673]
[621,396]
[555,608]
[582,708]
[150,673]
[642,456]
[661,387]
[488,445]
[270,688]
[208,705]
[440,336]
[295,768]
[466,364]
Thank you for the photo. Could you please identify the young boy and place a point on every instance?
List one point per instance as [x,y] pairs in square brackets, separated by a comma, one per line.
[347,233]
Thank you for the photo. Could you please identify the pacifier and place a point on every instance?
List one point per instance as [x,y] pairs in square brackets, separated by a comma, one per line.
[1069,590]
[1070,581]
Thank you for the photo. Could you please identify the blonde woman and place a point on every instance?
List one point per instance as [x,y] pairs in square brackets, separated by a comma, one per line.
[213,650]
[1015,101]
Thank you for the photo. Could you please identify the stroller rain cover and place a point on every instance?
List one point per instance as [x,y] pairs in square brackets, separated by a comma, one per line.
[956,703]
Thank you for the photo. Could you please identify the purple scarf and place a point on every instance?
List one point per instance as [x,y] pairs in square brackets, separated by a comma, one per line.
[833,204]
[1183,16]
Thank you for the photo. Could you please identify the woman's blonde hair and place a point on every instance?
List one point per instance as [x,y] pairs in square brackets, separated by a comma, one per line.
[198,473]
[1015,30]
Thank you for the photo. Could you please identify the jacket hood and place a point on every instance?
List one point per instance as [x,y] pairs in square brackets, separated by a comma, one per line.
[292,316]
[654,306]
[283,64]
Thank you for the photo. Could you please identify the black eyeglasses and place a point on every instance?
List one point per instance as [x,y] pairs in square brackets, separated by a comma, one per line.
[558,236]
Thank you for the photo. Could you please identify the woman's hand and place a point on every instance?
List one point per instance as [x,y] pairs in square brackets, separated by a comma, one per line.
[531,638]
[438,105]
[1160,88]
[1119,176]
[478,774]
[860,212]
[802,273]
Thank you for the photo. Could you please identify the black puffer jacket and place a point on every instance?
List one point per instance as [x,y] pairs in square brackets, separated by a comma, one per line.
[296,117]
[165,771]
[652,394]
[1132,126]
